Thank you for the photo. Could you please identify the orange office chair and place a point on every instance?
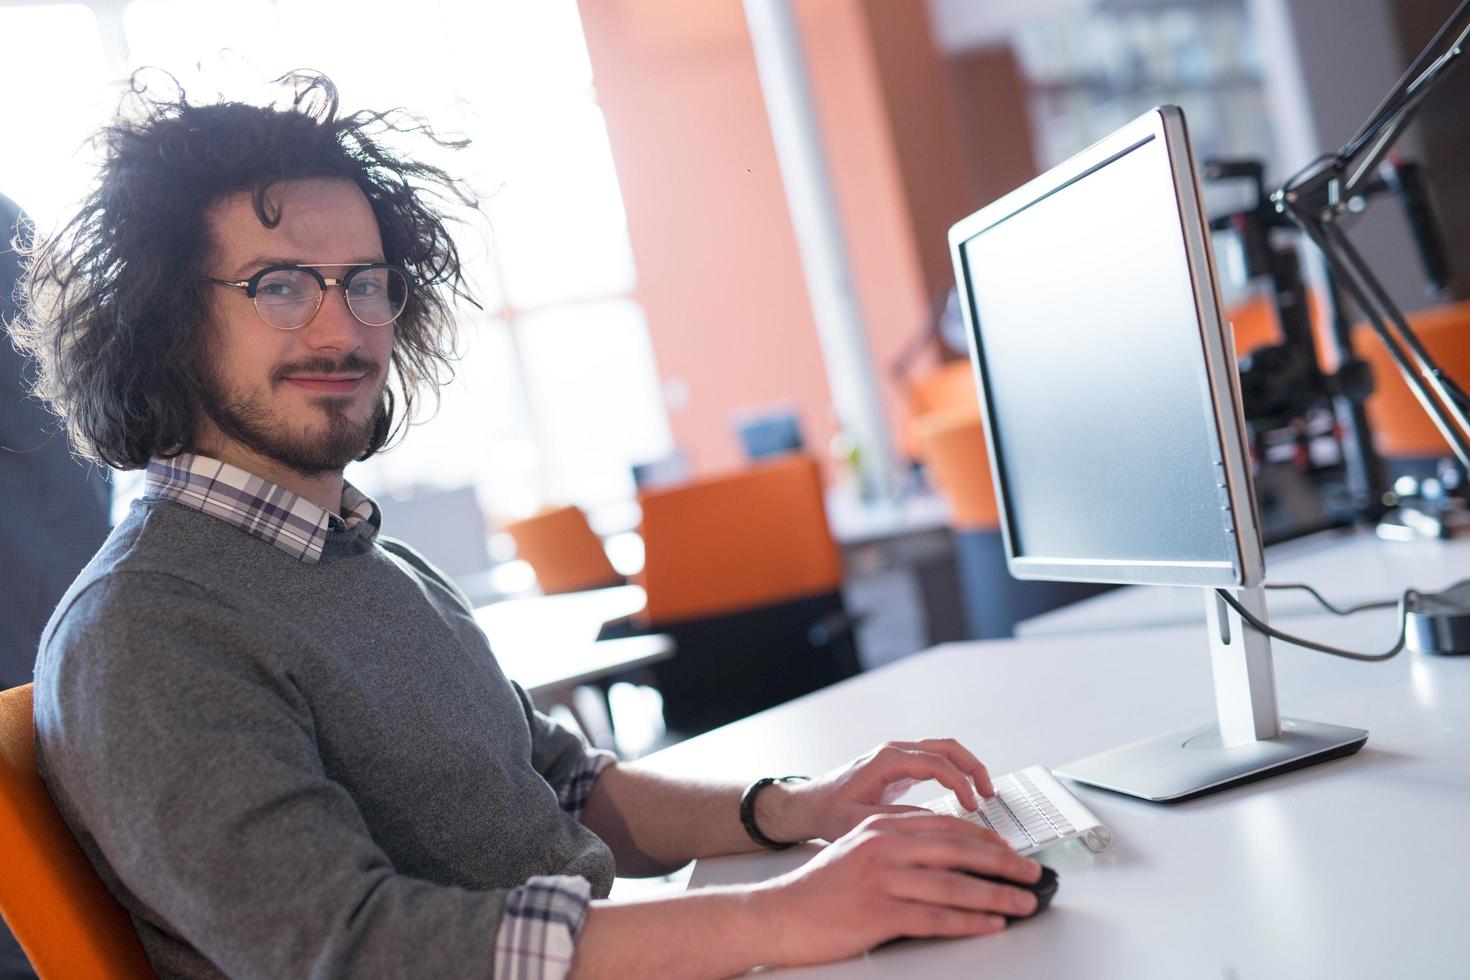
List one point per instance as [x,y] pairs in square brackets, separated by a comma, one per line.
[561,547]
[953,445]
[949,387]
[1401,429]
[1254,323]
[66,920]
[742,571]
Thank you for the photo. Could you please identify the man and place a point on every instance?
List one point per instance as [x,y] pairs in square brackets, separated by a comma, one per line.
[278,735]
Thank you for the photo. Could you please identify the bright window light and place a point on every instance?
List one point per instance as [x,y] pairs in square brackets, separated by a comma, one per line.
[589,370]
[49,113]
[556,393]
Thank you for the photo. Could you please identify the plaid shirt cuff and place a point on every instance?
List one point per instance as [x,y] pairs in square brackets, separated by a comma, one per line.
[573,792]
[539,930]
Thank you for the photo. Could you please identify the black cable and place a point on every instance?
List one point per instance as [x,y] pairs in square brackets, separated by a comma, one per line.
[1350,610]
[1277,634]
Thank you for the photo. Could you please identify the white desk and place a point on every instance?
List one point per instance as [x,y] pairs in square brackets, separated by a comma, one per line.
[1347,567]
[1352,868]
[550,676]
[518,628]
[549,643]
[855,522]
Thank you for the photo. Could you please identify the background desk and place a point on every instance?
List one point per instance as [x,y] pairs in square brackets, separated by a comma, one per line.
[549,644]
[901,576]
[1347,567]
[1353,868]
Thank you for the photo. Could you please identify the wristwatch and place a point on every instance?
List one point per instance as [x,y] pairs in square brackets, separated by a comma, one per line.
[747,810]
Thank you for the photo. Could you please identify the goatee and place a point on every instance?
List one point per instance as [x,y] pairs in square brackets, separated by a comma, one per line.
[250,422]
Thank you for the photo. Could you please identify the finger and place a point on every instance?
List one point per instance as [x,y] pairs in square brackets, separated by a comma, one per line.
[917,764]
[955,889]
[949,850]
[897,808]
[921,821]
[962,757]
[919,920]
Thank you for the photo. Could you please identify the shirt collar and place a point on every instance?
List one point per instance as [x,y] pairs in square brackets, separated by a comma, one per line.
[255,505]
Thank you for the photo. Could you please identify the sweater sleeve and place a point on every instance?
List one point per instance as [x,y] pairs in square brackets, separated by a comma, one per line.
[563,757]
[183,756]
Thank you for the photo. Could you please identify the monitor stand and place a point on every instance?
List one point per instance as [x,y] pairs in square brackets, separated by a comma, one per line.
[1249,740]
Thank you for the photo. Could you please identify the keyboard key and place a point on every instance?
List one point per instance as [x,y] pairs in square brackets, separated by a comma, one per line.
[1025,816]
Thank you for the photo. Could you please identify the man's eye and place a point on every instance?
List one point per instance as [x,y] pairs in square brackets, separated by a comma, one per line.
[286,286]
[366,287]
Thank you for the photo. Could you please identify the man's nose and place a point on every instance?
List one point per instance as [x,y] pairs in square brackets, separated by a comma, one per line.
[334,328]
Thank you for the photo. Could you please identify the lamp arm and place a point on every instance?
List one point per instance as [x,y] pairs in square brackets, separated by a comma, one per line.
[1317,196]
[1424,377]
[1413,78]
[1386,133]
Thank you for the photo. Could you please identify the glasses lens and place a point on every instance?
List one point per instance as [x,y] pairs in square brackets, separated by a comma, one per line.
[376,296]
[287,298]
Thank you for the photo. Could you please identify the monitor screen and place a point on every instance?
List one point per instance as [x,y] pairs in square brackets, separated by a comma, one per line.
[1090,343]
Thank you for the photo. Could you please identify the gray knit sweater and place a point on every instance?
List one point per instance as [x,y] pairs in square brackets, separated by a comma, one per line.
[286,769]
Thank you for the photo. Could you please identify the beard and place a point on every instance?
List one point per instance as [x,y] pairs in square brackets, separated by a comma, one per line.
[249,421]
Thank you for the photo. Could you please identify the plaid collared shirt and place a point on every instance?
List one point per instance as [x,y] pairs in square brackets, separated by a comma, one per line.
[544,916]
[254,504]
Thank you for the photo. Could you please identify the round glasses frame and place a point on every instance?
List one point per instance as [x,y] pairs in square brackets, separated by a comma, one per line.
[251,287]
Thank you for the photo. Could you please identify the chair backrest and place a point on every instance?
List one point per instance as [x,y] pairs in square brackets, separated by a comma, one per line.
[953,446]
[1401,429]
[949,387]
[565,553]
[446,526]
[66,920]
[1254,323]
[741,541]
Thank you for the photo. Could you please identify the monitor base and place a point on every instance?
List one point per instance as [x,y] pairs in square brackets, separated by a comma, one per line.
[1191,762]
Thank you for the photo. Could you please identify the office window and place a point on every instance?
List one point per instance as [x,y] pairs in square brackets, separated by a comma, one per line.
[1092,68]
[49,114]
[590,372]
[556,393]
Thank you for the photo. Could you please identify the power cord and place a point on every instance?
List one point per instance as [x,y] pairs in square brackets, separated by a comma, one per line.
[1276,634]
[1360,607]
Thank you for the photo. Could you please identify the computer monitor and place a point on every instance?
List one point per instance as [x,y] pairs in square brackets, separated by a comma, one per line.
[769,432]
[1112,408]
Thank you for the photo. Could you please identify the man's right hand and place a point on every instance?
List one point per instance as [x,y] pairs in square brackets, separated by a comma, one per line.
[896,875]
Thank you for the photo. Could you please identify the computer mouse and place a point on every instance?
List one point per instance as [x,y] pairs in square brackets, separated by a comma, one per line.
[1044,888]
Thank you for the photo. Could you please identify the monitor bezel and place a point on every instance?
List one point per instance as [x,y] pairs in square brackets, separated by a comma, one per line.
[1247,565]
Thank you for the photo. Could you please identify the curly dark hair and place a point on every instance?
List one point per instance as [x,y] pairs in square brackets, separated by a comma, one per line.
[114,301]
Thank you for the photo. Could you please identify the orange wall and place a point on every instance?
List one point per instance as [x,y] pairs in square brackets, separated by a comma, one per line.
[849,88]
[719,274]
[992,95]
[928,133]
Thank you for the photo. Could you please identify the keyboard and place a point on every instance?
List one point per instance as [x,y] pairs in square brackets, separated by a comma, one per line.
[1031,810]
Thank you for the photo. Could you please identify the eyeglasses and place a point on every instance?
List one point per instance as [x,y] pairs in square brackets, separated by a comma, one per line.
[288,296]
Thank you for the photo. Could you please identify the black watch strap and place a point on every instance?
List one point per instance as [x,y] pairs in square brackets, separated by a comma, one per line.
[747,810]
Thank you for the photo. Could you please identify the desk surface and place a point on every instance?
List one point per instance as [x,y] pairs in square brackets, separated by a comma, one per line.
[1352,868]
[855,523]
[1347,567]
[548,643]
[551,673]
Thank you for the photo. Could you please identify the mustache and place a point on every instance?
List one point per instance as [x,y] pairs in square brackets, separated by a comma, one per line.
[351,364]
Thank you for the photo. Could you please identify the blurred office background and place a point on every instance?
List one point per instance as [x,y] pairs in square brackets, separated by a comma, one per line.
[646,315]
